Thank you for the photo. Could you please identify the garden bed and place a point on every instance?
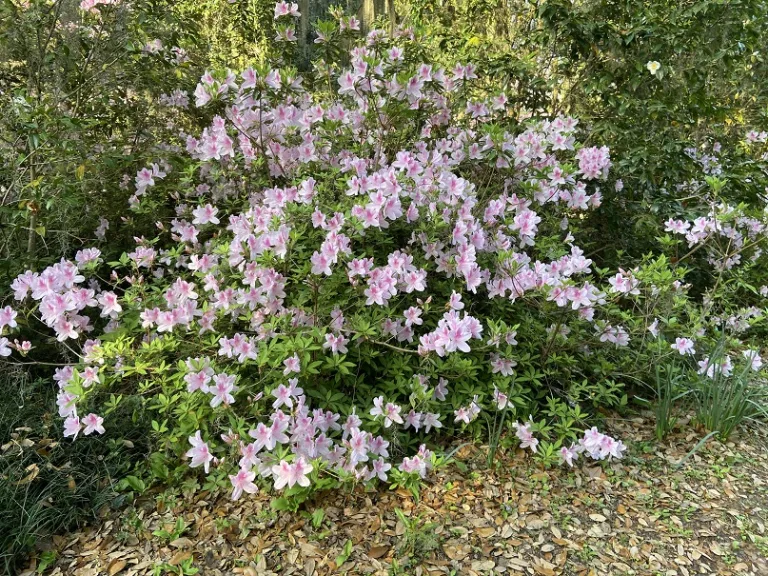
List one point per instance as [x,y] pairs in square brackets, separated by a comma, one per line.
[641,515]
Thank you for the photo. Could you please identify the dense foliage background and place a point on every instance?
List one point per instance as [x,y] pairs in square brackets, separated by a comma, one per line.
[93,92]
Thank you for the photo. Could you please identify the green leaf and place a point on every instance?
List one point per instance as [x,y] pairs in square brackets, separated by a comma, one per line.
[345,554]
[281,505]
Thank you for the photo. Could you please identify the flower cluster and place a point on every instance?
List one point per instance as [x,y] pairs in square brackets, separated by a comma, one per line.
[597,445]
[339,270]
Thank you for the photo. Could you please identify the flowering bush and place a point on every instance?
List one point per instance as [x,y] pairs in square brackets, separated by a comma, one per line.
[359,259]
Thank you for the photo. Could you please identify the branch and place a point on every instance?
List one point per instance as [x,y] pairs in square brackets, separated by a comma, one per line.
[390,346]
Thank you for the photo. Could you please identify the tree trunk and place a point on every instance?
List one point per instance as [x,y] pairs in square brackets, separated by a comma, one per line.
[310,10]
[304,40]
[372,9]
[366,10]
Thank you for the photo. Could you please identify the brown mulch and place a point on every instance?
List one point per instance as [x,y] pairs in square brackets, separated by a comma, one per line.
[639,516]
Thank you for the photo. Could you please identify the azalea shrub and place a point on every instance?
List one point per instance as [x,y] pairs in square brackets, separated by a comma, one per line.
[367,259]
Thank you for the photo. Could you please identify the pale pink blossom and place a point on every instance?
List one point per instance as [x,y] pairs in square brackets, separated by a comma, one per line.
[93,423]
[684,346]
[242,482]
[286,474]
[199,453]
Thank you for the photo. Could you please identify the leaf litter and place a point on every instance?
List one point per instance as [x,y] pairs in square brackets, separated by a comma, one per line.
[641,516]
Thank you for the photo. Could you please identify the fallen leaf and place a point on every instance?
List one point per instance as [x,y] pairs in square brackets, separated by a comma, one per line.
[116,566]
[180,557]
[378,551]
[310,549]
[483,565]
[456,552]
[182,543]
[535,523]
[32,472]
[541,566]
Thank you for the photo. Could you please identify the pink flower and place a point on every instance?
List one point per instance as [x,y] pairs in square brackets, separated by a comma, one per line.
[684,346]
[379,446]
[286,9]
[452,335]
[93,423]
[395,54]
[337,344]
[291,474]
[67,403]
[413,316]
[569,454]
[64,329]
[84,257]
[264,437]
[7,318]
[72,426]
[380,467]
[441,390]
[222,389]
[290,34]
[432,420]
[358,446]
[280,423]
[205,215]
[755,361]
[292,364]
[500,398]
[591,440]
[109,305]
[90,376]
[455,301]
[346,83]
[413,419]
[415,281]
[249,457]
[199,453]
[197,381]
[525,435]
[378,406]
[390,411]
[144,178]
[242,482]
[415,465]
[601,446]
[283,397]
[503,366]
[463,414]
[610,447]
[392,414]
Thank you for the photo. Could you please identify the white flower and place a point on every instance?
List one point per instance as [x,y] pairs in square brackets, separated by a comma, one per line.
[653,67]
